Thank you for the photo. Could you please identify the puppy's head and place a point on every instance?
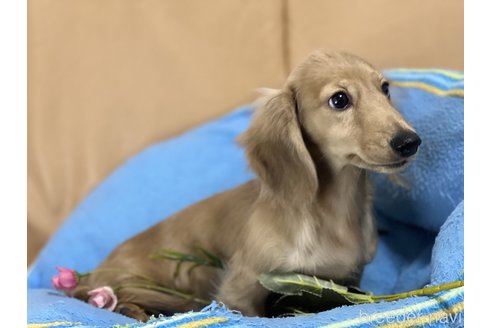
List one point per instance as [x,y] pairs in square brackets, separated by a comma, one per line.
[341,104]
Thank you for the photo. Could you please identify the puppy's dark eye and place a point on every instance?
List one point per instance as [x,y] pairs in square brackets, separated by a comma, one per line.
[385,89]
[339,101]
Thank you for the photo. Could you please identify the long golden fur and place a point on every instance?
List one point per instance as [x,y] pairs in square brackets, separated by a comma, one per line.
[309,210]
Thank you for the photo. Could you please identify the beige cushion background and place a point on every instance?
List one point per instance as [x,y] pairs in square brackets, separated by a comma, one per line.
[387,33]
[108,77]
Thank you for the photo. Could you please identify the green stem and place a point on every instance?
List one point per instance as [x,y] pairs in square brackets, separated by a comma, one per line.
[421,292]
[164,290]
[120,271]
[207,260]
[154,286]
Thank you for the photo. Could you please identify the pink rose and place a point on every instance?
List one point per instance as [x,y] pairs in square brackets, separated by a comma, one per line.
[103,298]
[66,280]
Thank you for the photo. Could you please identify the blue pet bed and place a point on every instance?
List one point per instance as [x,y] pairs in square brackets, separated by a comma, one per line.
[421,228]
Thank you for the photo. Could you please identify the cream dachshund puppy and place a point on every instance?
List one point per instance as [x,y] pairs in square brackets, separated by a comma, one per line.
[311,145]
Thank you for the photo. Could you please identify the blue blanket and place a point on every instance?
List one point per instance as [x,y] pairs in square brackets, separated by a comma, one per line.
[421,228]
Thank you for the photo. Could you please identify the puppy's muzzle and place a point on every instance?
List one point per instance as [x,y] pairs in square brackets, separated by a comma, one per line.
[405,143]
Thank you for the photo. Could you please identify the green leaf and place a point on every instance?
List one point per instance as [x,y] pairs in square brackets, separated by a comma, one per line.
[326,291]
[300,284]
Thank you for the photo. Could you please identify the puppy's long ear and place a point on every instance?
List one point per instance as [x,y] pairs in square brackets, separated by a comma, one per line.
[276,150]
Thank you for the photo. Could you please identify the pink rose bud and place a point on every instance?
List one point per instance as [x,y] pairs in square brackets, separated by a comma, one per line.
[103,298]
[55,281]
[66,280]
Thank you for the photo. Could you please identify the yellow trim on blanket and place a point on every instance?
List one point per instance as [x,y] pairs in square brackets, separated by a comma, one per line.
[453,75]
[415,308]
[429,318]
[51,324]
[203,322]
[430,88]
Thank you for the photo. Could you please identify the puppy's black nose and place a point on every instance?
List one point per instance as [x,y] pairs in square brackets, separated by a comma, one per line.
[405,143]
